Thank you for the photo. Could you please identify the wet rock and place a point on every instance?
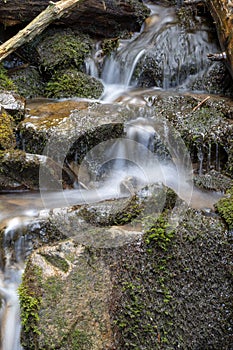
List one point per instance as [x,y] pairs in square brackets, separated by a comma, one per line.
[76,289]
[189,36]
[70,129]
[72,83]
[143,201]
[213,181]
[23,171]
[13,104]
[29,82]
[205,128]
[216,80]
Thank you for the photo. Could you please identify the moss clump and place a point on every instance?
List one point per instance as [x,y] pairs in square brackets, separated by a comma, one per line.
[225,208]
[159,232]
[73,83]
[109,45]
[5,82]
[7,137]
[63,49]
[78,340]
[30,296]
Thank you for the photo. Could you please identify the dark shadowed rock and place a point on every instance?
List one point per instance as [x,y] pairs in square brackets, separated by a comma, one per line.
[22,171]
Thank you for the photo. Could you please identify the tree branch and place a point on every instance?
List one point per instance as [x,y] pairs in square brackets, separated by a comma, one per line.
[51,13]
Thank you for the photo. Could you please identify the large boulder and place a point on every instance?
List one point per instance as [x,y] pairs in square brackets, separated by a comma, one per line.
[160,288]
[29,82]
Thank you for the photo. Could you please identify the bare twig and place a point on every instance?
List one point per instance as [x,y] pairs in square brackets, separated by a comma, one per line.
[200,103]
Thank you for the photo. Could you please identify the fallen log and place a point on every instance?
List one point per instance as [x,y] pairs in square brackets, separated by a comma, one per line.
[102,18]
[222,13]
[52,12]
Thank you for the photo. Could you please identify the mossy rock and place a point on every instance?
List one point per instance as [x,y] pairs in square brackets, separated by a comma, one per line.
[70,308]
[29,82]
[62,49]
[172,288]
[72,83]
[7,137]
[225,208]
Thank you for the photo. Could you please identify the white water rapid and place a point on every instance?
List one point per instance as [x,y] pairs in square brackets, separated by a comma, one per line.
[132,157]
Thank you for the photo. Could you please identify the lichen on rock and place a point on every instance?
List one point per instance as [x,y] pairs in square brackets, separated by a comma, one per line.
[7,136]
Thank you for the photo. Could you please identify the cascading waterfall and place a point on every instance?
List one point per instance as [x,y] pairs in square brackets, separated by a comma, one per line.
[129,157]
[179,56]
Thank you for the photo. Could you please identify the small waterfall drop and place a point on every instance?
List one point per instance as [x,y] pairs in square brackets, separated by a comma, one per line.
[165,53]
[15,248]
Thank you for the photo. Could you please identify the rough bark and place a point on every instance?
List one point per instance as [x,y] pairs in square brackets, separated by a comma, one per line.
[222,13]
[52,12]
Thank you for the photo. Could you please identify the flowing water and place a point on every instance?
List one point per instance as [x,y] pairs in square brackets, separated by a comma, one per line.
[129,158]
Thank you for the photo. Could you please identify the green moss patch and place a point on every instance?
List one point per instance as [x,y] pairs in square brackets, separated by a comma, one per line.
[30,296]
[225,208]
[5,82]
[57,261]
